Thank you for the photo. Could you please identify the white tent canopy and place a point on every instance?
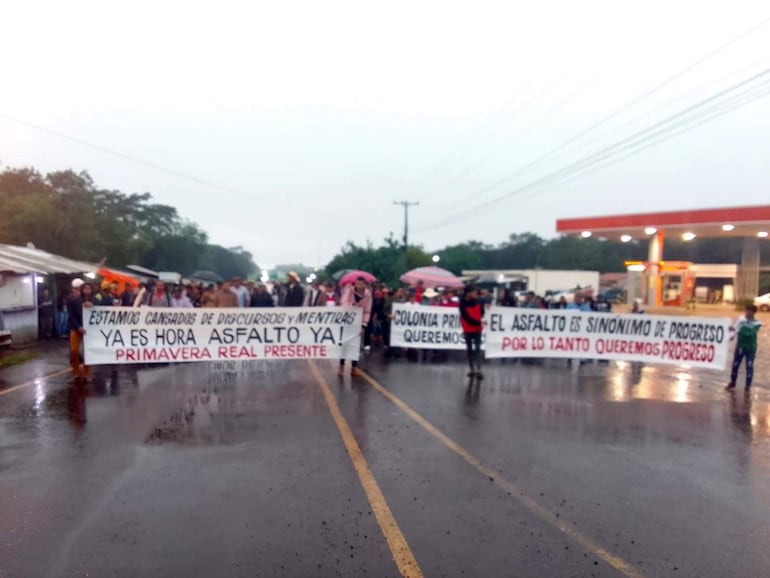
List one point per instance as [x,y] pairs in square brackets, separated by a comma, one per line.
[22,260]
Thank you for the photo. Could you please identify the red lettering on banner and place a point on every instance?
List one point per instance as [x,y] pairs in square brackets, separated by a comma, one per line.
[190,353]
[627,347]
[295,351]
[569,344]
[236,352]
[514,343]
[686,351]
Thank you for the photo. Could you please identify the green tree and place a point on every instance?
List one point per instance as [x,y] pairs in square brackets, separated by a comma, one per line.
[463,257]
[229,263]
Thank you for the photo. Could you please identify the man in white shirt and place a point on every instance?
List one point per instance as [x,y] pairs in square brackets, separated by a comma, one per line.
[241,292]
[311,295]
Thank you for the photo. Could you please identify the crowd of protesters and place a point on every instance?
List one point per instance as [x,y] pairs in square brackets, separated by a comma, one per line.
[376,300]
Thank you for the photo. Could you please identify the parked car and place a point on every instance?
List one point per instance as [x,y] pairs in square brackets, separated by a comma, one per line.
[614,295]
[568,294]
[763,302]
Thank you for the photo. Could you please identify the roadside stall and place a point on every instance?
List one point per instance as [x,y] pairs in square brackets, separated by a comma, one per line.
[24,273]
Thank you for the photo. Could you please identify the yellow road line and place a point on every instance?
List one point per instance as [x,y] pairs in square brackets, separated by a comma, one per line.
[540,511]
[402,554]
[34,381]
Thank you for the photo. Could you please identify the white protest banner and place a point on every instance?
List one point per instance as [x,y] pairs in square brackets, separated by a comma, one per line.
[117,335]
[426,327]
[695,341]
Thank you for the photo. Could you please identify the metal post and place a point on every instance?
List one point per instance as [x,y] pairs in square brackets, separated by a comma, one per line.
[406,205]
[748,285]
[654,257]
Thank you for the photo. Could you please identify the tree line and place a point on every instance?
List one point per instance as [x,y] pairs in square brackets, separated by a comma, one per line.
[66,213]
[529,251]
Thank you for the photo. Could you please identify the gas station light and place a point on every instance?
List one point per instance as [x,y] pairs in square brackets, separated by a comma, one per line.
[650,231]
[728,228]
[688,236]
[625,238]
[762,234]
[585,234]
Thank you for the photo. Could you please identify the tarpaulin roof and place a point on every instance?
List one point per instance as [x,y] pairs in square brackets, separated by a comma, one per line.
[30,260]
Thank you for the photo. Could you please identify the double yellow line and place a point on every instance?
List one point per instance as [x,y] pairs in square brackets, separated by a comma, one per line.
[403,556]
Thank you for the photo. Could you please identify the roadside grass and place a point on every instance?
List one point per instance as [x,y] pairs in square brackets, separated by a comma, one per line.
[16,358]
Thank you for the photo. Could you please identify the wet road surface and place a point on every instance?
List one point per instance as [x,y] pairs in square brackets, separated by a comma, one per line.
[241,470]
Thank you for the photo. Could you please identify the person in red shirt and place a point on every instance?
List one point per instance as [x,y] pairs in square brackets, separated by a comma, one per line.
[419,290]
[472,320]
[447,299]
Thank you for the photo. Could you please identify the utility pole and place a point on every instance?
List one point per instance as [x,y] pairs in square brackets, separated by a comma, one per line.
[406,205]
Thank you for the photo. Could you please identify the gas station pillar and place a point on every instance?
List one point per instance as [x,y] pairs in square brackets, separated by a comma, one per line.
[748,278]
[654,257]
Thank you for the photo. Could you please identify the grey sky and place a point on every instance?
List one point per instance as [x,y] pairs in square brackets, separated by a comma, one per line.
[318,115]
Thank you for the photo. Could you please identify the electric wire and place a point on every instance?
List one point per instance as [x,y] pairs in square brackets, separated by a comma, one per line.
[641,140]
[624,108]
[174,172]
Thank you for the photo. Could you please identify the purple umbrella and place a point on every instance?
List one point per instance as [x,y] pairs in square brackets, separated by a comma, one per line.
[432,277]
[352,277]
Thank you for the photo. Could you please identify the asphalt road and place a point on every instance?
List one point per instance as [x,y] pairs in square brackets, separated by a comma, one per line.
[284,469]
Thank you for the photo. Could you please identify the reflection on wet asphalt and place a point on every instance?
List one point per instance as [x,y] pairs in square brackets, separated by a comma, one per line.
[237,469]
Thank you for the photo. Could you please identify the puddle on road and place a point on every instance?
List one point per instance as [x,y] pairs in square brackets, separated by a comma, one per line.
[219,401]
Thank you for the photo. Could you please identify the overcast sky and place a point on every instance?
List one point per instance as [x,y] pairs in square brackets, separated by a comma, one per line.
[313,117]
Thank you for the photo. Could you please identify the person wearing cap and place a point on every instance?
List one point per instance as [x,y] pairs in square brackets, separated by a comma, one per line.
[295,296]
[428,296]
[357,296]
[82,296]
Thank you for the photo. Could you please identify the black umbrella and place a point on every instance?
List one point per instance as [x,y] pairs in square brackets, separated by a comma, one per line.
[207,276]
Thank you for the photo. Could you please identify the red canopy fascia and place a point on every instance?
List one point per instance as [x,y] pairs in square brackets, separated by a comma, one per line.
[700,218]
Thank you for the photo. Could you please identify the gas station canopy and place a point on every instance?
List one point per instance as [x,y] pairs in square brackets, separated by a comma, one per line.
[750,223]
[727,222]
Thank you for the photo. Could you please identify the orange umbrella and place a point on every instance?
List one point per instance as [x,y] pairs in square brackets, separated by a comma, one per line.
[118,276]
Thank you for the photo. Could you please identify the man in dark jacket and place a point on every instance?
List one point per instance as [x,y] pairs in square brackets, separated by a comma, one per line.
[127,297]
[295,296]
[261,298]
[471,318]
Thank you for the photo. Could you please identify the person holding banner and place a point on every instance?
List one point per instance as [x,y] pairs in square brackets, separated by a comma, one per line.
[471,319]
[82,296]
[357,296]
[746,330]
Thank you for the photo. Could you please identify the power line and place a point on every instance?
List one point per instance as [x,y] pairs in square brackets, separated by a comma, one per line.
[650,136]
[169,171]
[461,151]
[670,104]
[627,106]
[554,109]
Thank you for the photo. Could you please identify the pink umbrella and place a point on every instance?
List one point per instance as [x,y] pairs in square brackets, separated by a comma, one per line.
[432,277]
[353,276]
